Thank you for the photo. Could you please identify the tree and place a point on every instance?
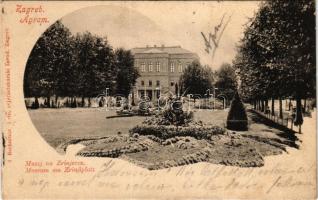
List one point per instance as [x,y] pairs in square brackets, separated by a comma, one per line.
[94,64]
[237,118]
[45,69]
[196,79]
[127,74]
[226,80]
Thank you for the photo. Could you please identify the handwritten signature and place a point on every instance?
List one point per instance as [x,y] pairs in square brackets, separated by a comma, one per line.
[213,40]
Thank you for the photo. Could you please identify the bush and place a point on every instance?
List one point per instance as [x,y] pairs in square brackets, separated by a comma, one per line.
[143,108]
[237,118]
[167,117]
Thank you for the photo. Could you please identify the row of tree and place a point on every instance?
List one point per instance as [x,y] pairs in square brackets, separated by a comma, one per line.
[83,65]
[276,58]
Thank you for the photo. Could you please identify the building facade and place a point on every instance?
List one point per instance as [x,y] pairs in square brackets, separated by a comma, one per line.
[160,68]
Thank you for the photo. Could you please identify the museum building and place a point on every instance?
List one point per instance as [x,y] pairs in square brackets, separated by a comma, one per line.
[160,68]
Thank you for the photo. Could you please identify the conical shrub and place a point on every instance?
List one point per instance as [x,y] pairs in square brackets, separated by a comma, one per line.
[237,118]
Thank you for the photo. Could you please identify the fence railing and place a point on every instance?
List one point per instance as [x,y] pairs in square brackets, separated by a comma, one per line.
[286,121]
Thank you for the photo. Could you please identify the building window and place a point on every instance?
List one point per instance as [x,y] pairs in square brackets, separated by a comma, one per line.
[158,83]
[172,67]
[172,84]
[158,66]
[150,66]
[143,67]
[142,83]
[180,67]
[150,83]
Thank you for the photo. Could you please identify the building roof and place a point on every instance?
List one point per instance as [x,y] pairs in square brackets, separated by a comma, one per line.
[153,51]
[161,49]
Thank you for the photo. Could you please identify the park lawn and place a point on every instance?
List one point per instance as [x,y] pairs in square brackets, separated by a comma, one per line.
[216,117]
[59,126]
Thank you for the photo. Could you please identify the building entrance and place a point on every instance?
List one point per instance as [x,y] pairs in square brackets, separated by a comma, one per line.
[149,94]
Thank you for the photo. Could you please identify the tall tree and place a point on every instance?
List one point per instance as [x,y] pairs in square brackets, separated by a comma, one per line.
[94,65]
[45,70]
[127,74]
[196,79]
[226,80]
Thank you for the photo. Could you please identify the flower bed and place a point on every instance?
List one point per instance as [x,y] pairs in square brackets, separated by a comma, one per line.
[165,132]
[132,146]
[199,156]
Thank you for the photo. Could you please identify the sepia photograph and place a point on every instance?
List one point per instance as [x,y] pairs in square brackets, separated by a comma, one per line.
[159,99]
[124,87]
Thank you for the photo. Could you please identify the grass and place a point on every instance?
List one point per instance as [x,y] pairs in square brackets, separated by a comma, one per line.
[55,125]
[60,126]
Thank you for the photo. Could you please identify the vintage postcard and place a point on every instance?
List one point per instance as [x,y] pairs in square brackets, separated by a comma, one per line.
[158,99]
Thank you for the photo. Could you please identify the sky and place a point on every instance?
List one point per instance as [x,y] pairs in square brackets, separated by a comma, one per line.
[138,24]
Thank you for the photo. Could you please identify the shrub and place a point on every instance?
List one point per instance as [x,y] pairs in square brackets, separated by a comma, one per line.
[143,108]
[237,118]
